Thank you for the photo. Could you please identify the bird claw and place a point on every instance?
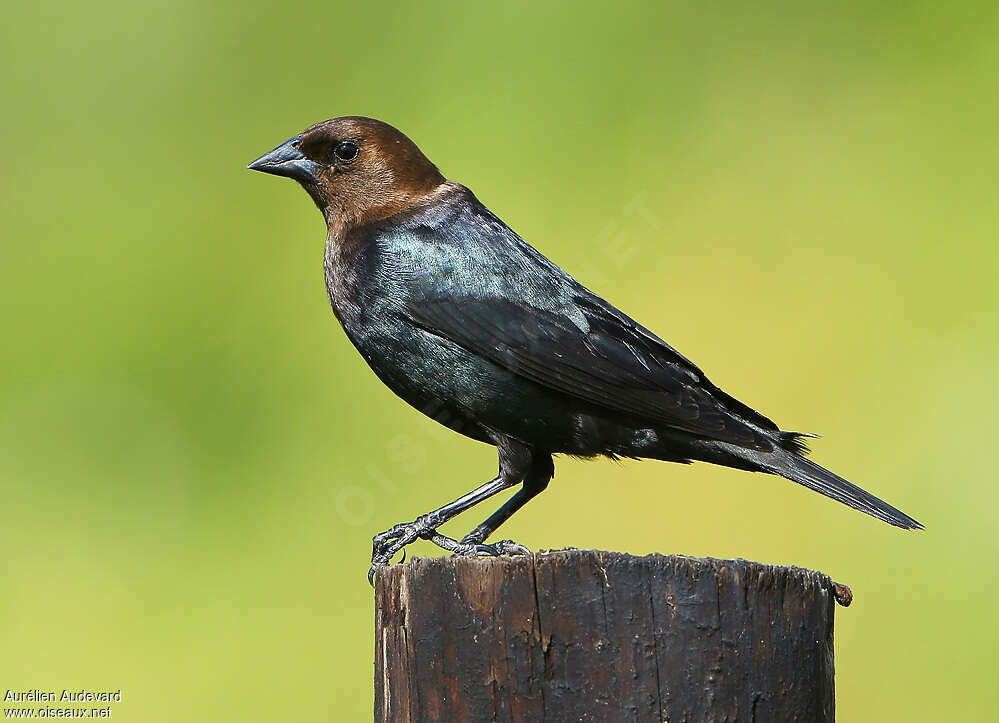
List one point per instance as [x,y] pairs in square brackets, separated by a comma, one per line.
[471,549]
[509,547]
[385,545]
[493,549]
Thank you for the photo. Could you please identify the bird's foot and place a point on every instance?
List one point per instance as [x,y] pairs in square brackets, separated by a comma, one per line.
[464,549]
[385,545]
[493,549]
[509,547]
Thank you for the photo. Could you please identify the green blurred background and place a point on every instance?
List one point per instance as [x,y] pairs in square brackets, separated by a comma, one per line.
[193,459]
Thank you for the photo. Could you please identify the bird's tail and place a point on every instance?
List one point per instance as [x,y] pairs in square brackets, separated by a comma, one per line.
[808,474]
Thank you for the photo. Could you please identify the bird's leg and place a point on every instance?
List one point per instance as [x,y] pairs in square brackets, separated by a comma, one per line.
[388,543]
[532,487]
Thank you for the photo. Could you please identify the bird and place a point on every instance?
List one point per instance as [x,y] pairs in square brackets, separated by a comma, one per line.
[471,325]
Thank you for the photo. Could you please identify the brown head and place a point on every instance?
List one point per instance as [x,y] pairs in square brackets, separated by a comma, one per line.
[357,170]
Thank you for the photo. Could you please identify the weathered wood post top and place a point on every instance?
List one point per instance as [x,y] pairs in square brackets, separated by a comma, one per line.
[583,635]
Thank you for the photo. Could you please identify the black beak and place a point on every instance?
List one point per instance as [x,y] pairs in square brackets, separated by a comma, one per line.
[287,160]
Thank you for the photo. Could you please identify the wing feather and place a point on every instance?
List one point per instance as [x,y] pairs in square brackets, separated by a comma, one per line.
[531,318]
[611,367]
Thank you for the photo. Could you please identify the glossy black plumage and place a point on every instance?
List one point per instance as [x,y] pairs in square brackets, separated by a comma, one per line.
[467,322]
[493,321]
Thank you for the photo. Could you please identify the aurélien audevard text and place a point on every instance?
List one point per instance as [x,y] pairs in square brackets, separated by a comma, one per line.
[66,696]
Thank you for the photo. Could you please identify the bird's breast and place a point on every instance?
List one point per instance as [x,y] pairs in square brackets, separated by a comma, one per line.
[343,282]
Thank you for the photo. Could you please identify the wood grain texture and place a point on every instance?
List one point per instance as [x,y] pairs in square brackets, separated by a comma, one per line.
[583,635]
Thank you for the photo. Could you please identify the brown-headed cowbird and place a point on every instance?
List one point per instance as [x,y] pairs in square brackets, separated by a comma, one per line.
[471,325]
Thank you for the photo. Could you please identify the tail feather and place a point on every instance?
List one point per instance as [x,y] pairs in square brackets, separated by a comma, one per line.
[810,475]
[795,441]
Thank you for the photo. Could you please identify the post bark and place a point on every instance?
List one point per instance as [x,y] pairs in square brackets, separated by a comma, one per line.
[583,635]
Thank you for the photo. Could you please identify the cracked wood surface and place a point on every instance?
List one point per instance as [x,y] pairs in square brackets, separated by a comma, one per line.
[583,635]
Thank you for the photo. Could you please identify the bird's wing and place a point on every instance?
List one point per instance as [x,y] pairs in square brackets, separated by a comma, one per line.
[589,354]
[469,278]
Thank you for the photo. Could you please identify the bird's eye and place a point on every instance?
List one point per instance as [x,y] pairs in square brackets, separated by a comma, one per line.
[346,151]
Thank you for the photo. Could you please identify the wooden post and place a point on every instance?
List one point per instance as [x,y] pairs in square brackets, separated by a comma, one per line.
[582,635]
